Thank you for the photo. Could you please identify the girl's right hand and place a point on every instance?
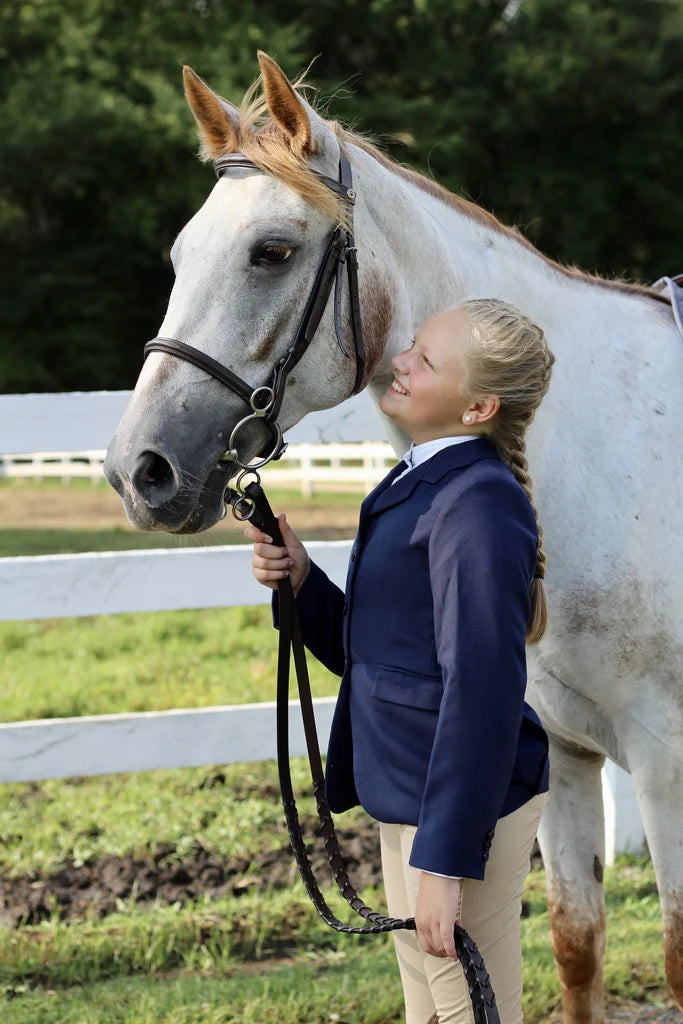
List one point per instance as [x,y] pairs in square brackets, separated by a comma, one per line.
[270,564]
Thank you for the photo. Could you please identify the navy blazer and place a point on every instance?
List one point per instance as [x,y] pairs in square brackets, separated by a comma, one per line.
[431,728]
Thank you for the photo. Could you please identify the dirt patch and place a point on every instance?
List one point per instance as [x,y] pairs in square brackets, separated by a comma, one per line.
[94,888]
[634,1013]
[49,507]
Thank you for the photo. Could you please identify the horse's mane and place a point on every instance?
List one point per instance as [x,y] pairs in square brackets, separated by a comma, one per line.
[264,141]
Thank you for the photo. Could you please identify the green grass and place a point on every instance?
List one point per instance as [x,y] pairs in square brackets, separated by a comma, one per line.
[257,959]
[222,952]
[43,824]
[142,662]
[64,542]
[224,947]
[358,985]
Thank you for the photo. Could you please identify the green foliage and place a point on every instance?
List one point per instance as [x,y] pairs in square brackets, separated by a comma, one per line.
[566,118]
[98,173]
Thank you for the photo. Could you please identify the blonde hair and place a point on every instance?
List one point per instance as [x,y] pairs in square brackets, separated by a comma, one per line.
[508,355]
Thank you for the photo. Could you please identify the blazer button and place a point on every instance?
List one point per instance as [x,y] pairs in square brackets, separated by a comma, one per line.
[345,608]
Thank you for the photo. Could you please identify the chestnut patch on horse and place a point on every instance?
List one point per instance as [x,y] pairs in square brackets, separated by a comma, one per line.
[578,948]
[673,943]
[377,310]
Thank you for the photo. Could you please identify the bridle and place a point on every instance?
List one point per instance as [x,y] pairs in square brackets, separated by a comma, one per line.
[265,400]
[249,502]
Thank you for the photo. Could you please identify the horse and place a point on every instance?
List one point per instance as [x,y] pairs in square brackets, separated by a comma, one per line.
[604,449]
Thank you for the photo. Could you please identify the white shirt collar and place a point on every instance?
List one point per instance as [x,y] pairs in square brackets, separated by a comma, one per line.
[419,453]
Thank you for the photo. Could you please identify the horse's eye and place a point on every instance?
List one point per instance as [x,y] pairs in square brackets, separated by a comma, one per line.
[274,254]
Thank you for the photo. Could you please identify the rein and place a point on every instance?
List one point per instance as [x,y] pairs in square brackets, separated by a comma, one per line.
[248,501]
[290,642]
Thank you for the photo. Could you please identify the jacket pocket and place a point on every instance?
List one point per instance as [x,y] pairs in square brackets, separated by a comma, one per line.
[414,691]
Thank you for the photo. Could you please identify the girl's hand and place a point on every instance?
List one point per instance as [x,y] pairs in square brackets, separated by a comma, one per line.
[438,909]
[270,564]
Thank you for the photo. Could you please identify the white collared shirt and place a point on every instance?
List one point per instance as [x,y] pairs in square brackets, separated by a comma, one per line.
[419,453]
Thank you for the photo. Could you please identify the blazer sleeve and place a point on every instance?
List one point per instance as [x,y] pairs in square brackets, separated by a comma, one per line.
[482,554]
[320,604]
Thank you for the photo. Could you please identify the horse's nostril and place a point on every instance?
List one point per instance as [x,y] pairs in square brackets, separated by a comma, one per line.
[157,471]
[154,479]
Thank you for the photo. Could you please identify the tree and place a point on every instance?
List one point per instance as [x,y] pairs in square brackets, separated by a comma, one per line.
[565,118]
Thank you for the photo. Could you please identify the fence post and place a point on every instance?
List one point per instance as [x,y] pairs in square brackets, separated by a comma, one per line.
[623,825]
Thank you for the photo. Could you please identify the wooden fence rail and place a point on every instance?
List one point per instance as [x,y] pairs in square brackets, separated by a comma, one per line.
[89,584]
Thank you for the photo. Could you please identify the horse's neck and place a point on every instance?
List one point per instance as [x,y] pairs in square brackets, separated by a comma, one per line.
[440,255]
[436,254]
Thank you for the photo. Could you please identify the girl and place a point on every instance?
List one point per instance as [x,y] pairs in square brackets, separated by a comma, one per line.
[431,733]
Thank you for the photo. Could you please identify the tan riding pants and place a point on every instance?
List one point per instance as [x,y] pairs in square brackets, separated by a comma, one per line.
[490,913]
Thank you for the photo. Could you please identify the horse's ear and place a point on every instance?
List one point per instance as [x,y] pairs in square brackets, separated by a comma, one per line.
[218,120]
[307,131]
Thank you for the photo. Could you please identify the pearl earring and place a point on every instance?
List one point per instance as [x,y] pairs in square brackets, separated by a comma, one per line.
[468,418]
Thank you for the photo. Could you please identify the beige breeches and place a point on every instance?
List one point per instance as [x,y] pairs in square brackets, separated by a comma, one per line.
[490,913]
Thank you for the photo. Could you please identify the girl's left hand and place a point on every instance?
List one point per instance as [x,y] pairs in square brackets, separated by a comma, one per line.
[438,909]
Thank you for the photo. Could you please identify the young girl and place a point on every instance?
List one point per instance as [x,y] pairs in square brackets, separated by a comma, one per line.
[431,733]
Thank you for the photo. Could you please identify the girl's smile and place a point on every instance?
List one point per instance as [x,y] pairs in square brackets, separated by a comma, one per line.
[397,386]
[427,395]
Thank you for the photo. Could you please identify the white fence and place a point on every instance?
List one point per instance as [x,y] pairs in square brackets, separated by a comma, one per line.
[307,467]
[56,586]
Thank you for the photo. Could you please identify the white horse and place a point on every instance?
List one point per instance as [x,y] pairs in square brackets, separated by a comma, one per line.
[604,450]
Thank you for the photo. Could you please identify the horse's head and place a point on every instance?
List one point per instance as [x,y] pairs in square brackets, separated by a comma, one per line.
[245,265]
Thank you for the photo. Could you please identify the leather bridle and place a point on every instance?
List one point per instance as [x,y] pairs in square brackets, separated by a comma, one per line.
[249,502]
[265,400]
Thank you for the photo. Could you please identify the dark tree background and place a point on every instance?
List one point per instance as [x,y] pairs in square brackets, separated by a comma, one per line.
[564,118]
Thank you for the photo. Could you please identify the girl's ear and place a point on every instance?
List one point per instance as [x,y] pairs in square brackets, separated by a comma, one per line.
[309,134]
[484,409]
[218,120]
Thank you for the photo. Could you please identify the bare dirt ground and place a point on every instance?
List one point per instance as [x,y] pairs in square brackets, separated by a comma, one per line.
[48,507]
[95,887]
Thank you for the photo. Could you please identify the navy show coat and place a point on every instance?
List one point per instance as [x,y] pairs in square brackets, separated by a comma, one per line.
[431,727]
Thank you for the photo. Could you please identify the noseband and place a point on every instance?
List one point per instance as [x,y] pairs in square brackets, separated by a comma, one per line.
[265,400]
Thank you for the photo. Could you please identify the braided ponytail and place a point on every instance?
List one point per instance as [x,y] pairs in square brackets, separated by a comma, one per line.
[508,355]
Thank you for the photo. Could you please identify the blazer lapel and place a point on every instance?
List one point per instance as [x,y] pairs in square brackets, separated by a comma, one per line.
[455,456]
[381,487]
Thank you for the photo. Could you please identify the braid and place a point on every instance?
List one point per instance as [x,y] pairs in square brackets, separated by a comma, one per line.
[513,452]
[509,357]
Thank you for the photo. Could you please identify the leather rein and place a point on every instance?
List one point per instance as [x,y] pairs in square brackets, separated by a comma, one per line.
[248,501]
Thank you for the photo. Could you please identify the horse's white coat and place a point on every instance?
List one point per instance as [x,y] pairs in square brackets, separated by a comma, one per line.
[604,451]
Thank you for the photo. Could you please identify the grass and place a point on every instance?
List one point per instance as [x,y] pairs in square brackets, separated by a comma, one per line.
[222,960]
[142,662]
[63,542]
[224,956]
[356,985]
[256,959]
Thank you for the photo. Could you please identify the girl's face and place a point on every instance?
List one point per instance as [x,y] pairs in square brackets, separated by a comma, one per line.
[426,396]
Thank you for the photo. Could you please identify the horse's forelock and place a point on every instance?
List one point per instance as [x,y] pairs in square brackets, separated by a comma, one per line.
[265,142]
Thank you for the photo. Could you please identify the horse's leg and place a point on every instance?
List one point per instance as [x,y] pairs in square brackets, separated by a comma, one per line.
[572,840]
[657,771]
